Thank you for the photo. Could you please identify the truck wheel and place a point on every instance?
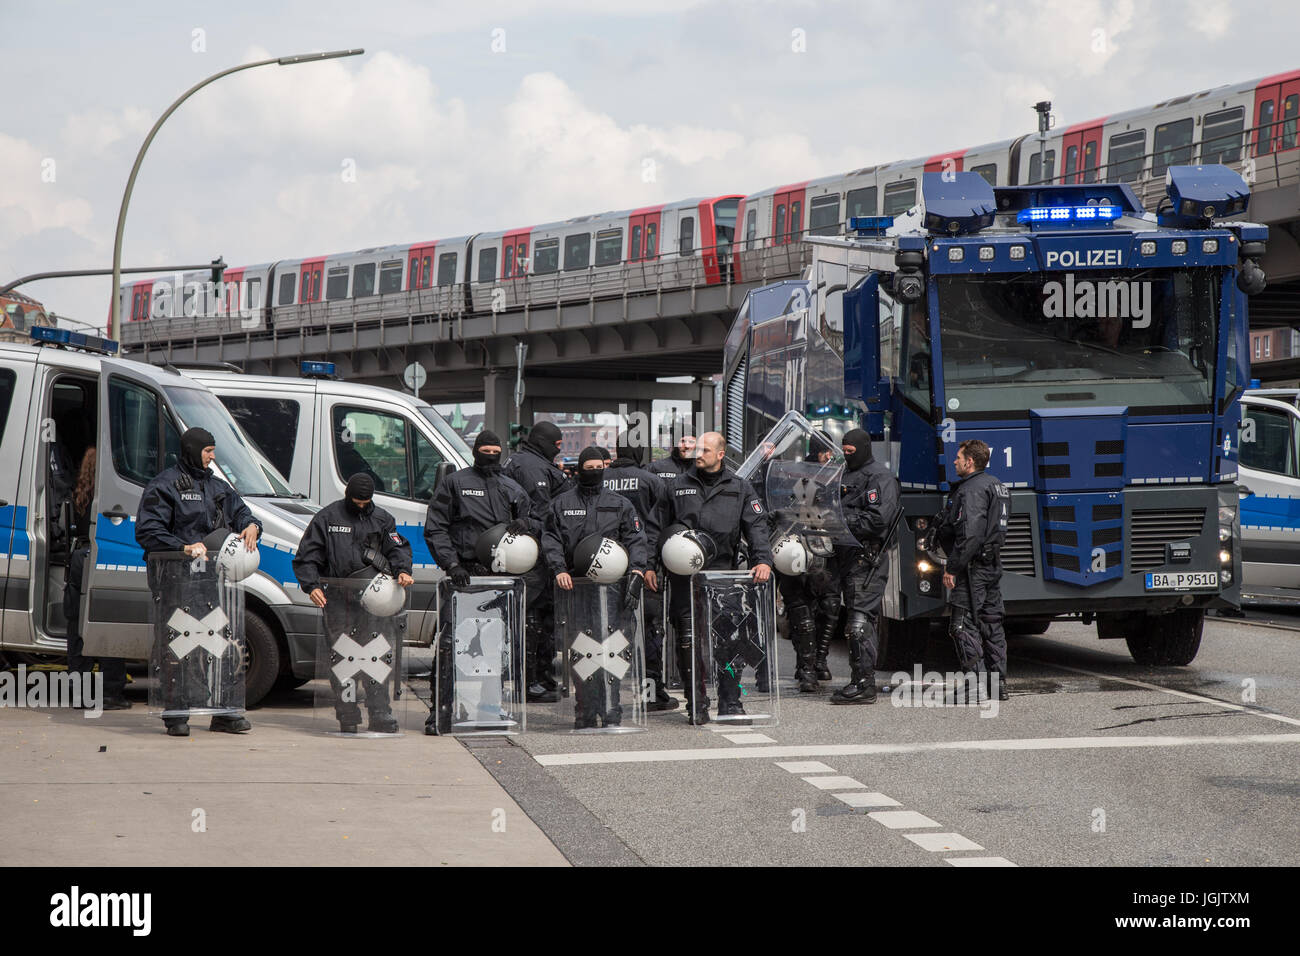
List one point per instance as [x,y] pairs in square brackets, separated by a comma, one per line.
[1114,627]
[1027,627]
[1172,639]
[261,658]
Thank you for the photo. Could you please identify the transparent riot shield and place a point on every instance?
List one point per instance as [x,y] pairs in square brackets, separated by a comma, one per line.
[733,623]
[478,673]
[604,659]
[197,657]
[358,686]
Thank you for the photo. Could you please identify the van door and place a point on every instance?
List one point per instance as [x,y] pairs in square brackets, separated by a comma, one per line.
[1269,465]
[15,398]
[138,438]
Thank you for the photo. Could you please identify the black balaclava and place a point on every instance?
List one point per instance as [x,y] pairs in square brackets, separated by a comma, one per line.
[627,451]
[861,441]
[542,438]
[485,463]
[604,453]
[192,444]
[591,480]
[362,487]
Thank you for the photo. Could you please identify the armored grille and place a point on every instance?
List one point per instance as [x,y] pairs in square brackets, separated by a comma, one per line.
[736,406]
[1150,531]
[1018,548]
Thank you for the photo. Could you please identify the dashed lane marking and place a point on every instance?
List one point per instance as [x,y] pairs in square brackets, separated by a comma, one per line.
[977,860]
[903,820]
[835,783]
[942,842]
[748,738]
[866,799]
[805,766]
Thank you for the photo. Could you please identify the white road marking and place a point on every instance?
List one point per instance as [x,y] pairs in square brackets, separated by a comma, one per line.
[903,820]
[749,738]
[805,766]
[866,799]
[835,783]
[976,860]
[939,842]
[850,750]
[1254,712]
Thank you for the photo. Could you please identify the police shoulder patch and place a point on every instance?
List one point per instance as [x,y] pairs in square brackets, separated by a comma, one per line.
[636,524]
[757,506]
[396,538]
[873,495]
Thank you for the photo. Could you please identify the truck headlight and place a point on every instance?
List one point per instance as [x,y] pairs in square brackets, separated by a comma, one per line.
[1227,514]
[1225,557]
[924,567]
[924,587]
[1225,577]
[1225,533]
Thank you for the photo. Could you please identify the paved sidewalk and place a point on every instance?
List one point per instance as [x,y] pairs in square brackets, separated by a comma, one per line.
[116,791]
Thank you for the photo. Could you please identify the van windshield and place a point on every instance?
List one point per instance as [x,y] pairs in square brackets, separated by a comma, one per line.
[238,460]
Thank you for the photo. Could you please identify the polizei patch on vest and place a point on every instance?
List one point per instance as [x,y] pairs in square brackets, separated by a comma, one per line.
[873,495]
[340,529]
[473,492]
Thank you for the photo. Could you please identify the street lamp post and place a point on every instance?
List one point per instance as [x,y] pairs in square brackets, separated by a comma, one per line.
[115,330]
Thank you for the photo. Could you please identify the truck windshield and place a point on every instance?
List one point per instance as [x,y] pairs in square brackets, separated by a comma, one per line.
[239,463]
[1142,339]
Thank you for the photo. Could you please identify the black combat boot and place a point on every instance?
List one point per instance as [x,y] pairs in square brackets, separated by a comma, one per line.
[827,625]
[804,637]
[861,688]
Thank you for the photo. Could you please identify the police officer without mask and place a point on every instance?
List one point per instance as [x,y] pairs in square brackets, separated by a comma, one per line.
[178,509]
[353,536]
[465,504]
[714,499]
[971,530]
[591,509]
[533,468]
[870,500]
[678,461]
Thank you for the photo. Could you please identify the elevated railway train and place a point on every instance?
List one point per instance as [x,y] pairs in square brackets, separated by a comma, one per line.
[1250,126]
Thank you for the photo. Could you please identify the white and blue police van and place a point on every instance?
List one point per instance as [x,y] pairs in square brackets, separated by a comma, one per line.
[67,392]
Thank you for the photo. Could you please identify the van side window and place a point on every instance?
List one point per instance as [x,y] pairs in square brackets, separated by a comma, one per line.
[133,430]
[7,379]
[1268,441]
[272,424]
[424,463]
[374,443]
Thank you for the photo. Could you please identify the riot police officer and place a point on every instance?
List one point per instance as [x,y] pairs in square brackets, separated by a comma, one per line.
[678,461]
[349,537]
[870,500]
[533,468]
[715,500]
[648,496]
[178,509]
[971,530]
[577,514]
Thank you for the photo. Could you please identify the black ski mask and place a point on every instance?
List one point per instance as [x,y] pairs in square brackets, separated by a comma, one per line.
[543,437]
[192,444]
[591,479]
[362,487]
[487,464]
[861,443]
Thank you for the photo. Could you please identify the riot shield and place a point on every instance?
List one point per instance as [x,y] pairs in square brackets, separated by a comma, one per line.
[358,687]
[197,657]
[733,624]
[478,673]
[604,659]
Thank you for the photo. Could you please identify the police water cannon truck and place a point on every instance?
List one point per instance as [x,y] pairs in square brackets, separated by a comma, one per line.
[1097,347]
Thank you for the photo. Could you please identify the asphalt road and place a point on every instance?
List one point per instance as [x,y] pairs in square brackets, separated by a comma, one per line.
[1094,761]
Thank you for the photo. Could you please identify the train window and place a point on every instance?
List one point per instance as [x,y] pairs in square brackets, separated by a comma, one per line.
[778,233]
[796,220]
[487,264]
[1071,162]
[860,202]
[390,276]
[899,197]
[413,277]
[447,268]
[577,252]
[686,236]
[1290,107]
[546,257]
[1036,164]
[521,258]
[635,250]
[651,239]
[751,228]
[1265,133]
[989,171]
[252,293]
[336,284]
[508,265]
[1221,136]
[1171,146]
[609,247]
[363,280]
[1127,156]
[315,283]
[1090,162]
[824,216]
[426,272]
[135,307]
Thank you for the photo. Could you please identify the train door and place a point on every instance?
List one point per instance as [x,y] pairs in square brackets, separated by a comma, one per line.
[311,273]
[1277,113]
[643,235]
[1081,146]
[787,215]
[419,274]
[229,297]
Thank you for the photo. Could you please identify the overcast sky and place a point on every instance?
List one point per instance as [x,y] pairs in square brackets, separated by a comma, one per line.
[463,117]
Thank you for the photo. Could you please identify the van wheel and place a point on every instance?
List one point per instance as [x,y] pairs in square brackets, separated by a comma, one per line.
[1175,641]
[261,659]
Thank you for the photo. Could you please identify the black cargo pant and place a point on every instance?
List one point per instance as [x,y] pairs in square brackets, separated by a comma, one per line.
[539,621]
[652,604]
[345,615]
[976,617]
[113,668]
[862,588]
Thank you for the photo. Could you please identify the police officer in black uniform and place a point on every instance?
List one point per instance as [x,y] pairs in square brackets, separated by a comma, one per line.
[715,500]
[465,504]
[680,460]
[178,509]
[870,500]
[533,468]
[352,537]
[592,509]
[648,495]
[972,529]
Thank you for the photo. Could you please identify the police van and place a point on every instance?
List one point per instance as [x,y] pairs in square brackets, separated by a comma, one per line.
[68,392]
[1269,476]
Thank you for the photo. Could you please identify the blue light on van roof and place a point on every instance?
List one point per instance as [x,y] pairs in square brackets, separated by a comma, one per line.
[870,225]
[1038,215]
[44,334]
[317,368]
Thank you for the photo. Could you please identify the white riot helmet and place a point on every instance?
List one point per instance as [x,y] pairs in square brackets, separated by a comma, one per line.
[506,553]
[789,556]
[602,559]
[383,596]
[686,550]
[235,560]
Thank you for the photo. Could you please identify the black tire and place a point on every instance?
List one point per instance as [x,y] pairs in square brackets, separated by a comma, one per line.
[1115,627]
[261,658]
[1027,627]
[1167,640]
[902,643]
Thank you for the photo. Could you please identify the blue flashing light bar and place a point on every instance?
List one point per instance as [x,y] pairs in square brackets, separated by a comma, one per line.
[44,334]
[311,369]
[1038,215]
[870,225]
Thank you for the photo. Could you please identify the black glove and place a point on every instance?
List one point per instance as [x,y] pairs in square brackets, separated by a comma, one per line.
[635,584]
[459,575]
[518,526]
